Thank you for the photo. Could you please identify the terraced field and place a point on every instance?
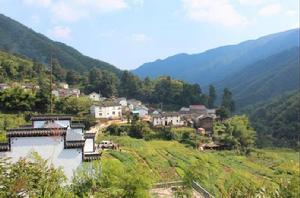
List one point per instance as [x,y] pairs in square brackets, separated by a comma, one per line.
[222,173]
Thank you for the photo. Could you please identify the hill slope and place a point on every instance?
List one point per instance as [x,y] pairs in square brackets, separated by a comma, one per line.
[264,79]
[277,120]
[221,173]
[17,38]
[216,64]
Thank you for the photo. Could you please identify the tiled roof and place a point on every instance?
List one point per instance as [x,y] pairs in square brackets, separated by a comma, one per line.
[91,156]
[89,135]
[51,117]
[73,136]
[166,114]
[29,132]
[74,144]
[77,125]
[197,107]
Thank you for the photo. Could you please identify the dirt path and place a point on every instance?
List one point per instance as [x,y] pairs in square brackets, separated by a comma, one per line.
[101,125]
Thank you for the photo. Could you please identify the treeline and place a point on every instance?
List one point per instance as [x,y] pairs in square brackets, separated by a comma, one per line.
[163,92]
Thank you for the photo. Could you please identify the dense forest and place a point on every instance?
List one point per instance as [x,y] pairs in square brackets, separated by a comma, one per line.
[277,121]
[19,39]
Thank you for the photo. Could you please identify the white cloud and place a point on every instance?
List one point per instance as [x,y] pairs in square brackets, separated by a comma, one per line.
[73,10]
[61,32]
[270,10]
[213,11]
[64,12]
[140,38]
[250,2]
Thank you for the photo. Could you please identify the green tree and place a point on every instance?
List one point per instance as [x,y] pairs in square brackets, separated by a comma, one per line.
[73,105]
[227,101]
[72,77]
[17,99]
[130,85]
[31,178]
[237,133]
[111,180]
[223,113]
[212,96]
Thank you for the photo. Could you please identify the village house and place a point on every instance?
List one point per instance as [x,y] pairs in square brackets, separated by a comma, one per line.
[122,101]
[55,138]
[66,92]
[140,111]
[106,110]
[133,103]
[167,119]
[193,109]
[204,122]
[94,96]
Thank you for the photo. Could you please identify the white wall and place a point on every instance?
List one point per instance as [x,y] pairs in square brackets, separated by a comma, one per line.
[175,120]
[50,148]
[107,112]
[89,145]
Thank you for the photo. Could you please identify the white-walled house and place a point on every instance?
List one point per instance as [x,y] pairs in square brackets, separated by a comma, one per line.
[54,138]
[167,119]
[141,111]
[122,101]
[107,110]
[133,103]
[94,96]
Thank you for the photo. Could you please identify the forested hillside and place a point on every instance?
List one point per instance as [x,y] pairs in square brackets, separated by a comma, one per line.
[214,65]
[264,79]
[17,38]
[277,121]
[253,70]
[14,68]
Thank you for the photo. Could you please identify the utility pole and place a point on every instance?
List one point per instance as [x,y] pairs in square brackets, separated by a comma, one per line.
[51,86]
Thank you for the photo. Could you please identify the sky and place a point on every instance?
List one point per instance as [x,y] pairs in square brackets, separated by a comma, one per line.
[128,33]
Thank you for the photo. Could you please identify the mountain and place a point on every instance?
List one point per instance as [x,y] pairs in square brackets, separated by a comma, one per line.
[264,79]
[19,39]
[277,120]
[216,64]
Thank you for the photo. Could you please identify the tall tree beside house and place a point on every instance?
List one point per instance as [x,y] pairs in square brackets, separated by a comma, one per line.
[212,96]
[104,81]
[147,89]
[227,101]
[130,85]
[43,98]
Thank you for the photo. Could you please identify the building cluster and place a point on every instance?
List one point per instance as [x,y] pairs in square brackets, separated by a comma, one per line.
[197,116]
[116,108]
[63,90]
[55,138]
